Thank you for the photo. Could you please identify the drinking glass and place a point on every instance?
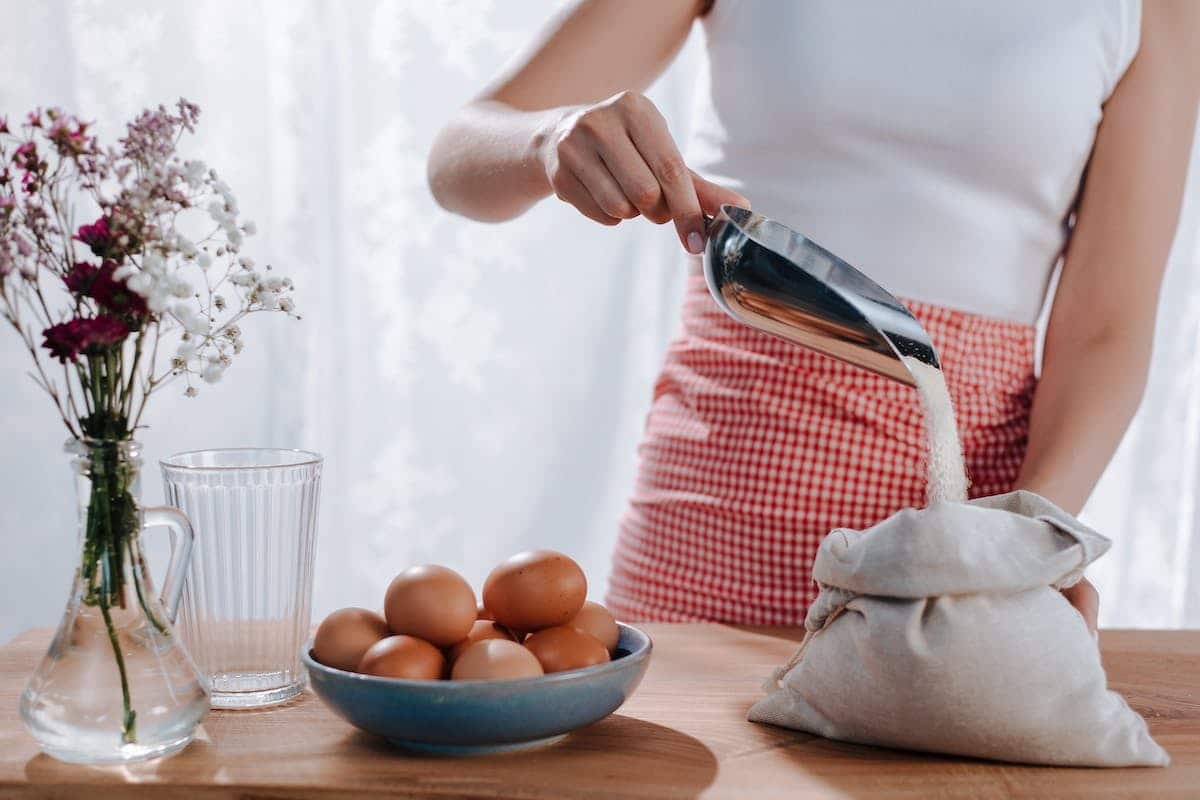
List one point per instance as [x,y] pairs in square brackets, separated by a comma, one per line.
[247,604]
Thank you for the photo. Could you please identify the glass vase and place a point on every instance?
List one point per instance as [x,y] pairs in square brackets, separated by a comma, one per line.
[116,684]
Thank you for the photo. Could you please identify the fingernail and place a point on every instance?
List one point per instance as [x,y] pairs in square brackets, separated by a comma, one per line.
[695,243]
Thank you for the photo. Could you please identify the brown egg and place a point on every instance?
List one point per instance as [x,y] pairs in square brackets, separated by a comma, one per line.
[495,660]
[562,648]
[432,603]
[345,635]
[403,657]
[535,590]
[481,630]
[483,613]
[594,618]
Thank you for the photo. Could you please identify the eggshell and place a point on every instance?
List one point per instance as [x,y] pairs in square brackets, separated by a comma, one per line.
[562,648]
[403,657]
[432,603]
[345,635]
[495,660]
[534,590]
[483,613]
[481,630]
[594,618]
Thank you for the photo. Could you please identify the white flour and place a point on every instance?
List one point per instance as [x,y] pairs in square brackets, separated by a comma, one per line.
[947,474]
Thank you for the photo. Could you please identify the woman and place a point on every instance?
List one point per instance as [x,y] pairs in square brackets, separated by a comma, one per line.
[941,148]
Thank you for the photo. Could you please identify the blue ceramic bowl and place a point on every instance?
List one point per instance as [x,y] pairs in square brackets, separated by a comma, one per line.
[483,716]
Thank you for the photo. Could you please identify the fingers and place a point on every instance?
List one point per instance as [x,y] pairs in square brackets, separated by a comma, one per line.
[1086,600]
[648,131]
[590,170]
[637,182]
[570,189]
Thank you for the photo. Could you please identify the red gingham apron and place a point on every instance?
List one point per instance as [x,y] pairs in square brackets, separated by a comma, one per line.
[756,448]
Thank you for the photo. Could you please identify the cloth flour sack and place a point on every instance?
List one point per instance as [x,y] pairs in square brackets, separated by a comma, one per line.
[942,630]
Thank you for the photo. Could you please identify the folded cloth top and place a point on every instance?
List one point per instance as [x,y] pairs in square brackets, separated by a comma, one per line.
[943,630]
[1017,541]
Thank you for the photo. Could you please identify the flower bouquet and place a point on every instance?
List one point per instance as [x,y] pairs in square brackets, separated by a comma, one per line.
[151,291]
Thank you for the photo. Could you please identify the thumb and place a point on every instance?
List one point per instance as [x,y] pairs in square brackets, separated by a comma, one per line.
[712,196]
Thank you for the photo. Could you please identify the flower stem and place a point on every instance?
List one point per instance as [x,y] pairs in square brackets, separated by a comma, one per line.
[139,563]
[129,720]
[111,517]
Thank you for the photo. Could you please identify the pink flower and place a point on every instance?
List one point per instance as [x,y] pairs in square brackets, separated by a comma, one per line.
[151,138]
[69,136]
[3,124]
[87,335]
[26,157]
[34,118]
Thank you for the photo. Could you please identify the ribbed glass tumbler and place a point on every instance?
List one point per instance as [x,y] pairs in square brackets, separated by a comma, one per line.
[246,608]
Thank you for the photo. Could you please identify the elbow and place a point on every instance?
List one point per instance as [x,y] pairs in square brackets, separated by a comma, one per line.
[1114,353]
[455,190]
[439,174]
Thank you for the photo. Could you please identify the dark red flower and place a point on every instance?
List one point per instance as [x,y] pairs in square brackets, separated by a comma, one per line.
[87,335]
[3,124]
[111,294]
[79,279]
[62,340]
[98,237]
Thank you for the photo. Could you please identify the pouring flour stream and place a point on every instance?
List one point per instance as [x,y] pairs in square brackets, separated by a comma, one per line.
[947,472]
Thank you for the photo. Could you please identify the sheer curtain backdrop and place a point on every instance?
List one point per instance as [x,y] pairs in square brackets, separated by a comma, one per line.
[476,389]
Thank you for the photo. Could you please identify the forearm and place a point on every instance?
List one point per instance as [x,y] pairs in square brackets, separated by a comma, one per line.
[484,164]
[1088,393]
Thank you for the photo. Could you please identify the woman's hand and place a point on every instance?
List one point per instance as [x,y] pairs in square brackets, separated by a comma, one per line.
[616,160]
[1086,600]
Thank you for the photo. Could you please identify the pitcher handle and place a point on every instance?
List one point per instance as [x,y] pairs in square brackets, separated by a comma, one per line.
[182,539]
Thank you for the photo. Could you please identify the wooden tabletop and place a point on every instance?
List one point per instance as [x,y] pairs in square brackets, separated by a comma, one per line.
[684,734]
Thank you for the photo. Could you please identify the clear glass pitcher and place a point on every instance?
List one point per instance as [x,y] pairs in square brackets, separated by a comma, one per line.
[116,684]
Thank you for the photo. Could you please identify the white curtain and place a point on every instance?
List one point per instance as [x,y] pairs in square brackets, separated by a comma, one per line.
[476,390]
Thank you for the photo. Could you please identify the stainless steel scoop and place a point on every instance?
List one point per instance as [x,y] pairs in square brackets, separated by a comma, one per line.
[769,277]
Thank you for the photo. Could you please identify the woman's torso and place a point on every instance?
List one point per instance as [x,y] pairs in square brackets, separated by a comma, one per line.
[938,146]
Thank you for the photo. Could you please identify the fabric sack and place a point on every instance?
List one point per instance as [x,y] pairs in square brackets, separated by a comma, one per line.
[943,630]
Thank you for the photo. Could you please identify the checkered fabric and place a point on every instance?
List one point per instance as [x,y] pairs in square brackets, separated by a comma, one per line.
[756,448]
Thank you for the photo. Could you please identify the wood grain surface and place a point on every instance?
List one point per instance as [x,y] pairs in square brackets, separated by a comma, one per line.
[683,734]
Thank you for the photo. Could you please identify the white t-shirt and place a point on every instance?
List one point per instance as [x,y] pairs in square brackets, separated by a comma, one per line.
[937,145]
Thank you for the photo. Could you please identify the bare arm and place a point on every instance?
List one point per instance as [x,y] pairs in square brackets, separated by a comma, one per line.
[568,118]
[1101,328]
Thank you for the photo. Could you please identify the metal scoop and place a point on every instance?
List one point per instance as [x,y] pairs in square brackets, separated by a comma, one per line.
[771,278]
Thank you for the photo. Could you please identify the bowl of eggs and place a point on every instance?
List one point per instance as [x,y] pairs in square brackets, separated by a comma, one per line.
[439,672]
